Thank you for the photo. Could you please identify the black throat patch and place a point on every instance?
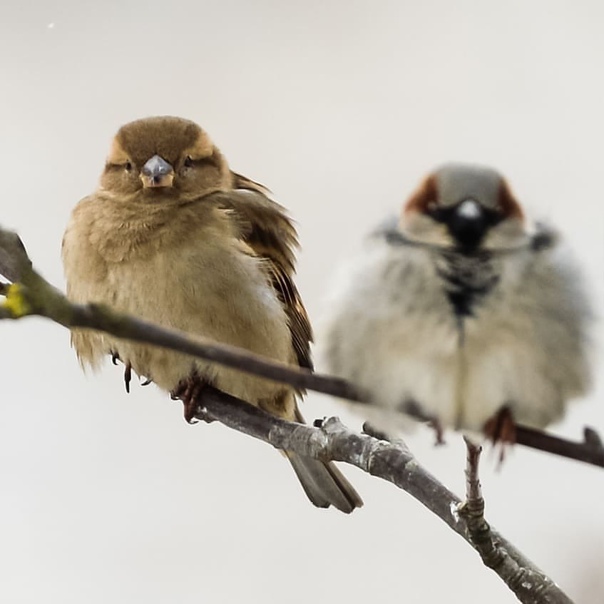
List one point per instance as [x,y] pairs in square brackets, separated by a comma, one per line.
[467,278]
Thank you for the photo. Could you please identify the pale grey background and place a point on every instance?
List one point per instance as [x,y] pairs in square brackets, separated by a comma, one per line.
[340,107]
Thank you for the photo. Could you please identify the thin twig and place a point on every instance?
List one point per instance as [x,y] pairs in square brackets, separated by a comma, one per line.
[14,261]
[588,451]
[38,297]
[394,463]
[30,294]
[527,582]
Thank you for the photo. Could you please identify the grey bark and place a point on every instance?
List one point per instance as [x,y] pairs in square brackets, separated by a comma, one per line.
[30,294]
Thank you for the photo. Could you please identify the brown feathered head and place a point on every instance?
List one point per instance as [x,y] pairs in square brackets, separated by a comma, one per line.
[164,157]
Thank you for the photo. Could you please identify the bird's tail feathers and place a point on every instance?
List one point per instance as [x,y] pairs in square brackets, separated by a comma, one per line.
[324,484]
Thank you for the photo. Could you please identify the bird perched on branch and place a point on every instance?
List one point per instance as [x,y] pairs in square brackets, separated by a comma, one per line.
[173,236]
[461,313]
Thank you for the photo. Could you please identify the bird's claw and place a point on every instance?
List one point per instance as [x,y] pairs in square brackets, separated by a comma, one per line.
[189,392]
[127,376]
[501,430]
[115,357]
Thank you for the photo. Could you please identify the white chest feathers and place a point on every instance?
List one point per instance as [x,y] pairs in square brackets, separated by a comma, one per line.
[456,340]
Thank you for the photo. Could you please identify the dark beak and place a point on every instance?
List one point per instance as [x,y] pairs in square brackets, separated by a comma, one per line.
[157,172]
[468,223]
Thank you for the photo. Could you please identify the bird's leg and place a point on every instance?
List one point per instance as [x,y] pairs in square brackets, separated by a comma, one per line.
[189,391]
[501,430]
[438,432]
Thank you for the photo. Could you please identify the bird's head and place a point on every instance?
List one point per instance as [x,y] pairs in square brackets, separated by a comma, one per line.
[162,158]
[463,207]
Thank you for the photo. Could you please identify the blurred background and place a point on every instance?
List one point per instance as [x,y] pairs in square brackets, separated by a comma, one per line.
[340,106]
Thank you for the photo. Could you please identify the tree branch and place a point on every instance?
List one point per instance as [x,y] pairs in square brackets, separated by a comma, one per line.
[14,261]
[396,464]
[30,294]
[527,582]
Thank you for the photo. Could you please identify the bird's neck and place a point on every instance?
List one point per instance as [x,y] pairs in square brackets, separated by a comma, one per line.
[466,279]
[135,228]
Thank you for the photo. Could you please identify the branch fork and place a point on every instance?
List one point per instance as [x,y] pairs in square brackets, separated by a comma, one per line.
[29,294]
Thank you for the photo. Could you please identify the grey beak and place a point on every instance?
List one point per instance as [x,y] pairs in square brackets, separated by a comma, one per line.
[157,167]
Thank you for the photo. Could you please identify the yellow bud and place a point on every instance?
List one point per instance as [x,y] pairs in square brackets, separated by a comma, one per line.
[15,301]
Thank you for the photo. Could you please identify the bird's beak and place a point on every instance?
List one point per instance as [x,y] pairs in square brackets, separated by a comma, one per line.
[469,210]
[468,223]
[157,172]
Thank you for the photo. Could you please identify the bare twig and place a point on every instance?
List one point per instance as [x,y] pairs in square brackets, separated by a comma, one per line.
[528,583]
[30,294]
[14,261]
[35,296]
[589,451]
[396,464]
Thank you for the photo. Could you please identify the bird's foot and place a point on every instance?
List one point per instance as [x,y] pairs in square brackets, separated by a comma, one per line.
[438,432]
[189,391]
[501,430]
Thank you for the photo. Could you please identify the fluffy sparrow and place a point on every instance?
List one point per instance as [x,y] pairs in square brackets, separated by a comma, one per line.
[461,313]
[173,236]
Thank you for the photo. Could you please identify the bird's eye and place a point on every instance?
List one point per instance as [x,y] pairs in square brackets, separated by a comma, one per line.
[188,162]
[433,210]
[128,166]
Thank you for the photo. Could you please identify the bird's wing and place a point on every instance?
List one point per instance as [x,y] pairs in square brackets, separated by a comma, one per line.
[268,231]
